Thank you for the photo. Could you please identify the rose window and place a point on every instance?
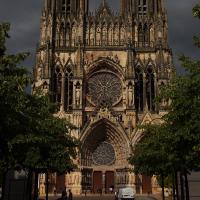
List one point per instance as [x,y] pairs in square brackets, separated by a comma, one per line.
[104,89]
[104,154]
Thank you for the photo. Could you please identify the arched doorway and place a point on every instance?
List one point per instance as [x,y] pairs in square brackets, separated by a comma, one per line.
[104,154]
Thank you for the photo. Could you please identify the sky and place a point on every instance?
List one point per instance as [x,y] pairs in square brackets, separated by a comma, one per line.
[24,16]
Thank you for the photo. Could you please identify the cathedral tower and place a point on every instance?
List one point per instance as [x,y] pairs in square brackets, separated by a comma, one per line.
[104,70]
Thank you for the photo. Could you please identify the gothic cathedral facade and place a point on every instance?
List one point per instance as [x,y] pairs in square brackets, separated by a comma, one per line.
[104,70]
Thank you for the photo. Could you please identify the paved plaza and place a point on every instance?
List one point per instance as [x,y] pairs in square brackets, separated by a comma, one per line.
[107,197]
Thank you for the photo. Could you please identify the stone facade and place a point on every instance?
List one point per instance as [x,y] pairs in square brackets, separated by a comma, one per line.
[104,70]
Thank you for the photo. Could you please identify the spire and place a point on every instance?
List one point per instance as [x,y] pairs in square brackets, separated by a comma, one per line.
[126,6]
[84,6]
[104,6]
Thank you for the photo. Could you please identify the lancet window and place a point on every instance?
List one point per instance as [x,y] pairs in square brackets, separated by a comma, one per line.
[104,35]
[140,35]
[68,32]
[139,89]
[143,35]
[63,6]
[68,90]
[62,34]
[68,6]
[146,33]
[150,89]
[57,83]
[142,7]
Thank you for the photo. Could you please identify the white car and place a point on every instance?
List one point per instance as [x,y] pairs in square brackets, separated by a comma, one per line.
[126,194]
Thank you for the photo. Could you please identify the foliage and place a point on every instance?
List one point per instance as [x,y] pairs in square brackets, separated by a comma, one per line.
[30,136]
[175,144]
[168,181]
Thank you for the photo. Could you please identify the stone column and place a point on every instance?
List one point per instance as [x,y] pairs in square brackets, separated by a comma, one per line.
[74,94]
[81,94]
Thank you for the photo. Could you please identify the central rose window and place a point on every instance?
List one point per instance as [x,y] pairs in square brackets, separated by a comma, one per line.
[104,154]
[104,89]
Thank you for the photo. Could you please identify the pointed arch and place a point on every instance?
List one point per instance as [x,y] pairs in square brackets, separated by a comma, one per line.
[62,33]
[100,131]
[140,35]
[139,89]
[150,88]
[68,90]
[68,34]
[57,84]
[146,34]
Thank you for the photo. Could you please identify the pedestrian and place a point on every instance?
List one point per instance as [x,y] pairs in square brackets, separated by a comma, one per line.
[64,194]
[70,195]
[54,191]
[116,195]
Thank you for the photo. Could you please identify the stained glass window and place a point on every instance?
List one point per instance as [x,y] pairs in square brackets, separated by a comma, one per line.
[104,89]
[104,154]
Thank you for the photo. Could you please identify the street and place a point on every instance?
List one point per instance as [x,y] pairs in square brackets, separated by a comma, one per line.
[107,197]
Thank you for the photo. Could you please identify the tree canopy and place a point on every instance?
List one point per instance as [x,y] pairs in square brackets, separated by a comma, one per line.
[31,137]
[175,144]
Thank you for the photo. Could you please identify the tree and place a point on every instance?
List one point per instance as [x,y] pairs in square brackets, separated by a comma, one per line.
[179,137]
[150,156]
[31,137]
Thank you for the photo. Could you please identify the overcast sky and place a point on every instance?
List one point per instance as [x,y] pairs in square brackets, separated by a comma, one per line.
[24,16]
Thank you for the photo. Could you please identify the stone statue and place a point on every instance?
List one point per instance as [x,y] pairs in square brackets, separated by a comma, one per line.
[78,95]
[130,96]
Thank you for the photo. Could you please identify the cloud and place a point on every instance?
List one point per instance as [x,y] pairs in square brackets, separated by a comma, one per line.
[24,16]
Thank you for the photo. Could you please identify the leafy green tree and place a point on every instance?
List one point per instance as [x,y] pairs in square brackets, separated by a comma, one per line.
[31,137]
[178,139]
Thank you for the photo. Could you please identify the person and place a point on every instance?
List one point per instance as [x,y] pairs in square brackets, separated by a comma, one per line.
[64,194]
[54,191]
[116,195]
[70,195]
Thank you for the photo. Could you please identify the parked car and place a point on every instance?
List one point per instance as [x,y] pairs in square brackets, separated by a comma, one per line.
[126,194]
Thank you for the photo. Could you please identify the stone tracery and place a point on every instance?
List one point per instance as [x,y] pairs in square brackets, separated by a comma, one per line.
[104,70]
[104,88]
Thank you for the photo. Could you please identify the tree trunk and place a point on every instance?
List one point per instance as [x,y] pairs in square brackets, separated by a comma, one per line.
[163,187]
[186,186]
[47,185]
[36,186]
[3,185]
[177,187]
[174,185]
[29,184]
[182,187]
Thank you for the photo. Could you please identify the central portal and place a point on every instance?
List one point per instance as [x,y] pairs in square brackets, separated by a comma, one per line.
[103,158]
[103,182]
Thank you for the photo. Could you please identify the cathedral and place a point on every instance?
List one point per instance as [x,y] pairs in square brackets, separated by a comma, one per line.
[104,70]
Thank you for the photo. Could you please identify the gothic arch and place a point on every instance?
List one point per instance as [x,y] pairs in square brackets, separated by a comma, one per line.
[151,64]
[104,131]
[104,84]
[140,64]
[68,89]
[139,89]
[150,87]
[148,118]
[57,83]
[108,63]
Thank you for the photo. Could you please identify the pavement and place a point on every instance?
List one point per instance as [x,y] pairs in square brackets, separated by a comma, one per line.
[103,197]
